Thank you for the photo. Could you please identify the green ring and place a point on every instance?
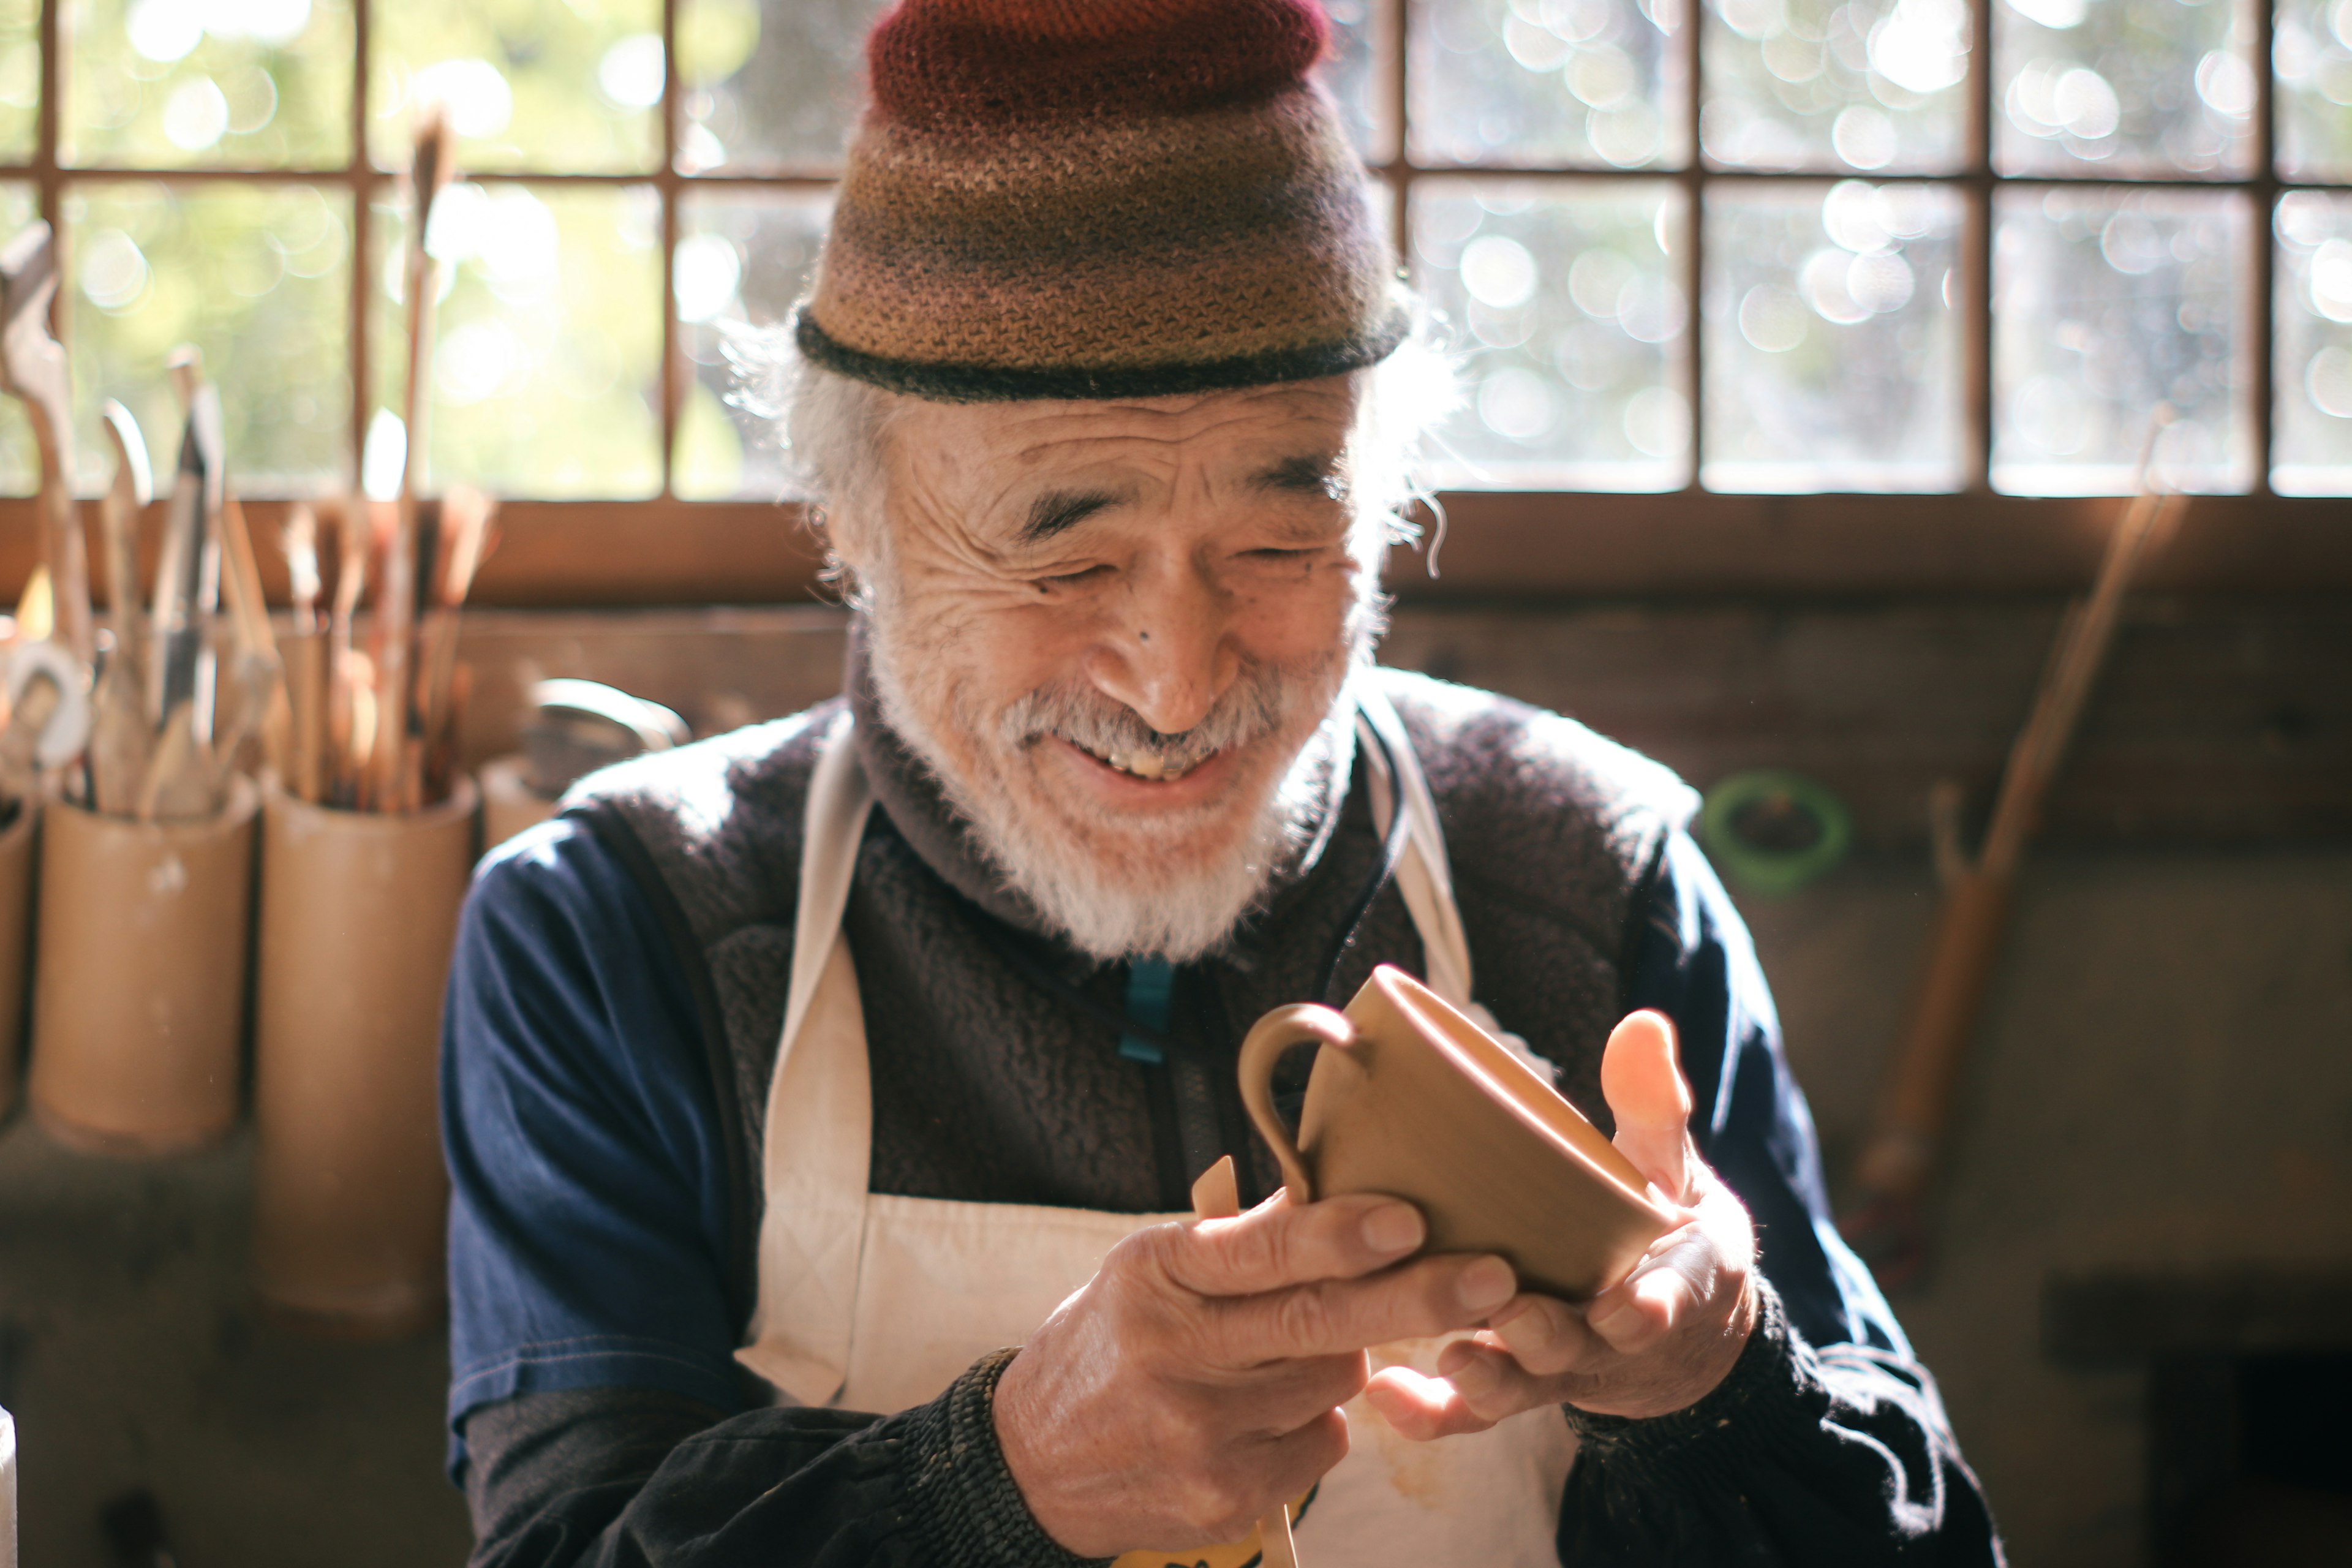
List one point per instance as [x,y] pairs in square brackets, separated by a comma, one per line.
[1774,871]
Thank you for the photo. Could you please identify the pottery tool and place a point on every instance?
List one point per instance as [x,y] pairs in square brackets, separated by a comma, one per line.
[463,536]
[181,672]
[118,728]
[1217,1195]
[34,368]
[395,607]
[1887,1224]
[350,735]
[305,654]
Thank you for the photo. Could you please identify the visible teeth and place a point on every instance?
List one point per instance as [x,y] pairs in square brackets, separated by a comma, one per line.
[1142,764]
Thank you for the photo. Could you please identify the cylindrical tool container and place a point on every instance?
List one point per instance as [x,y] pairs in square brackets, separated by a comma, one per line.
[15,933]
[509,802]
[359,915]
[139,978]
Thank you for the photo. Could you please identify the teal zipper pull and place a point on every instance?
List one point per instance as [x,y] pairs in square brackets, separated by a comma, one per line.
[1149,983]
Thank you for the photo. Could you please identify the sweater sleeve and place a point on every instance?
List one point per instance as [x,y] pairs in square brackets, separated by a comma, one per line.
[614,1478]
[1827,1443]
[596,1410]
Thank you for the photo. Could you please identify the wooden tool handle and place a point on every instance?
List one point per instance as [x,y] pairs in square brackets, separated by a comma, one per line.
[1917,1101]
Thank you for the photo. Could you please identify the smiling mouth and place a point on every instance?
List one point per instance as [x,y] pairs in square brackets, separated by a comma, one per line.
[1150,766]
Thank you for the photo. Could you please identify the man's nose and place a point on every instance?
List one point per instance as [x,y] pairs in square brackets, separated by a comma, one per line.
[1168,656]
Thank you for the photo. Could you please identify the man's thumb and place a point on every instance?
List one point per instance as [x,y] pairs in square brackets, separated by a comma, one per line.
[1645,1088]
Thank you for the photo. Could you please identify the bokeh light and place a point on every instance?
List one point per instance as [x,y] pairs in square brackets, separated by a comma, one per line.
[1562,302]
[2312,354]
[1833,342]
[2123,87]
[1575,83]
[2109,303]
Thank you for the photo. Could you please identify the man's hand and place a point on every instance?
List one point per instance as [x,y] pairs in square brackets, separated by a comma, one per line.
[1656,1342]
[1192,1385]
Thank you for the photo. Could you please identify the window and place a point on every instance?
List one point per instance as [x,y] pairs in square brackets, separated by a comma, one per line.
[1771,246]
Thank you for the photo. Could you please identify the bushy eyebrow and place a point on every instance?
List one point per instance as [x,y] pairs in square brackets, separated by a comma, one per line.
[1058,511]
[1308,474]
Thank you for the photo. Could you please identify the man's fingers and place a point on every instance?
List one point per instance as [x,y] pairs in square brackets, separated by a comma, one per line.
[1633,1315]
[1275,1245]
[1643,1084]
[1422,1408]
[1287,1396]
[1431,1296]
[1545,1336]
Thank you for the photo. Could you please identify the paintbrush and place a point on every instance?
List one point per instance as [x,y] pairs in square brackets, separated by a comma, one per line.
[305,654]
[344,740]
[464,538]
[395,596]
[118,728]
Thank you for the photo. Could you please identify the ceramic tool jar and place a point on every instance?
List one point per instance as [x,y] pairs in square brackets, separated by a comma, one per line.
[138,982]
[359,916]
[16,941]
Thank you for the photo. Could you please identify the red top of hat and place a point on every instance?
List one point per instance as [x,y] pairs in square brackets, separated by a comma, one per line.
[946,65]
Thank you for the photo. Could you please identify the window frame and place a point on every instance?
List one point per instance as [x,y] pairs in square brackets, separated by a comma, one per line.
[1502,544]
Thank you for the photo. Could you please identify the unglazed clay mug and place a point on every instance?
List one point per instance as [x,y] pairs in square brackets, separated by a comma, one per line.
[1410,1099]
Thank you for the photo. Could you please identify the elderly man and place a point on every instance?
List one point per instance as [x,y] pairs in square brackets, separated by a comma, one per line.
[793,1077]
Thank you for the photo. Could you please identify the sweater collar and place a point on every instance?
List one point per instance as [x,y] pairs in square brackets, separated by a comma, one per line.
[910,795]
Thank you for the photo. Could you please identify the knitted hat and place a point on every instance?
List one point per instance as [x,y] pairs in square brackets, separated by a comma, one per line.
[1099,198]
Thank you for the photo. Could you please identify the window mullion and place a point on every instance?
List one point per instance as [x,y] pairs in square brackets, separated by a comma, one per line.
[2263,240]
[1694,236]
[667,188]
[357,176]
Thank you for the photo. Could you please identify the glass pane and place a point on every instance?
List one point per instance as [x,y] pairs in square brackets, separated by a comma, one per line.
[2313,429]
[741,258]
[2107,303]
[2312,53]
[1587,83]
[1817,84]
[256,276]
[1563,305]
[19,474]
[169,84]
[546,364]
[1358,42]
[528,84]
[20,79]
[2123,87]
[769,87]
[1833,337]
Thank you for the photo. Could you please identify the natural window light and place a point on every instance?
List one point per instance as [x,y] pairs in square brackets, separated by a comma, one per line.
[1934,248]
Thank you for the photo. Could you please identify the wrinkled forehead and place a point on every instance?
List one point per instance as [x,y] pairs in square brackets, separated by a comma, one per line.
[1191,438]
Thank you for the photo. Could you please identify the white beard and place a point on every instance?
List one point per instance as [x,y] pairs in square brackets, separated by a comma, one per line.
[1138,900]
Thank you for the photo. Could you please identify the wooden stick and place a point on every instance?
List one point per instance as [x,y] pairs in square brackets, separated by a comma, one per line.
[120,733]
[1887,1223]
[33,366]
[1217,1195]
[396,605]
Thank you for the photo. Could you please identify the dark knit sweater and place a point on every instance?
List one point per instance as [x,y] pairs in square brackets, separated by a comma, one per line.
[987,1087]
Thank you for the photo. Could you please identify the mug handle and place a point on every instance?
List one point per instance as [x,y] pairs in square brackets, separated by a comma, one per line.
[1275,1034]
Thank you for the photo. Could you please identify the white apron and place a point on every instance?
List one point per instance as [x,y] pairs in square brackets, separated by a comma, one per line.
[869,1301]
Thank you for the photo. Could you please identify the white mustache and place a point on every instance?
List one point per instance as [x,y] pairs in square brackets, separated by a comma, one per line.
[1257,705]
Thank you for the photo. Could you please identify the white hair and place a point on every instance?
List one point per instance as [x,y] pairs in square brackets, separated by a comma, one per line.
[831,429]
